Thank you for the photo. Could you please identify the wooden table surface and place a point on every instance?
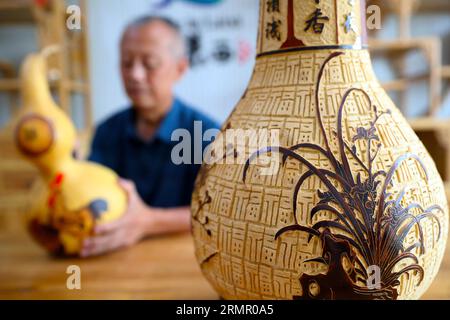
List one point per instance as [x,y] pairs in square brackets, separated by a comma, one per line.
[162,268]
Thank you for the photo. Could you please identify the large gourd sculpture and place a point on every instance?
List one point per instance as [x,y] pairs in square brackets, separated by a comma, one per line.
[75,195]
[342,201]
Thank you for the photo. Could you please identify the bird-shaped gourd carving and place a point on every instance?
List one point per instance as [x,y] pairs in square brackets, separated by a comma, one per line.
[74,195]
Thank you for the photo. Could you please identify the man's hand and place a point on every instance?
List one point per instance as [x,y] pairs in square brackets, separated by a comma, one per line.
[126,231]
[138,222]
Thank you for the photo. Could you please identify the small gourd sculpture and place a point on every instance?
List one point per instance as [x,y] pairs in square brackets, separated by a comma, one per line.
[75,195]
[355,208]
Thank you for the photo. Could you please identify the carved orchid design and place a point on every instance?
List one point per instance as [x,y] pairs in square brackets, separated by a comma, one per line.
[368,225]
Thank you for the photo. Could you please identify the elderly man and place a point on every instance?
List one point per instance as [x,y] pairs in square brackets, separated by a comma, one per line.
[136,142]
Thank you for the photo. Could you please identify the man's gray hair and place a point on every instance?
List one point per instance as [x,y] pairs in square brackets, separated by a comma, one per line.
[180,48]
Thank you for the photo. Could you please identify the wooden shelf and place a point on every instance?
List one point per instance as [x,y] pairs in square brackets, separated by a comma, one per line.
[431,48]
[434,5]
[421,6]
[9,84]
[16,12]
[403,84]
[74,86]
[72,64]
[429,124]
[445,72]
[376,45]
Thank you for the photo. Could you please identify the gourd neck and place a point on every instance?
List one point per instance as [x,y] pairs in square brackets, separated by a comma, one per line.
[292,25]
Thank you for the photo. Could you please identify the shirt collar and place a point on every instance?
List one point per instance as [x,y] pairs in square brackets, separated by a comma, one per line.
[171,122]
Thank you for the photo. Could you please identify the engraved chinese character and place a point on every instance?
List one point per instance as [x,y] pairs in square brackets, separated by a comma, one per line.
[273,29]
[314,21]
[273,6]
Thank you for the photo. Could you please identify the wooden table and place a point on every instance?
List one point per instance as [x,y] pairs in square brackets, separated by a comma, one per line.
[162,268]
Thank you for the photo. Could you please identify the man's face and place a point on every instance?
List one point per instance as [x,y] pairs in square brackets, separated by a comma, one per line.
[150,66]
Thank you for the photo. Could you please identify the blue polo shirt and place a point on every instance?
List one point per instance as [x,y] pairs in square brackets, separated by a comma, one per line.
[159,181]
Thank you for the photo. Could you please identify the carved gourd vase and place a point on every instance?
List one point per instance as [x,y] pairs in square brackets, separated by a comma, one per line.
[355,207]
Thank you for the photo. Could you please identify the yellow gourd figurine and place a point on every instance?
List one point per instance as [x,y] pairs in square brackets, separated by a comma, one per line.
[77,195]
